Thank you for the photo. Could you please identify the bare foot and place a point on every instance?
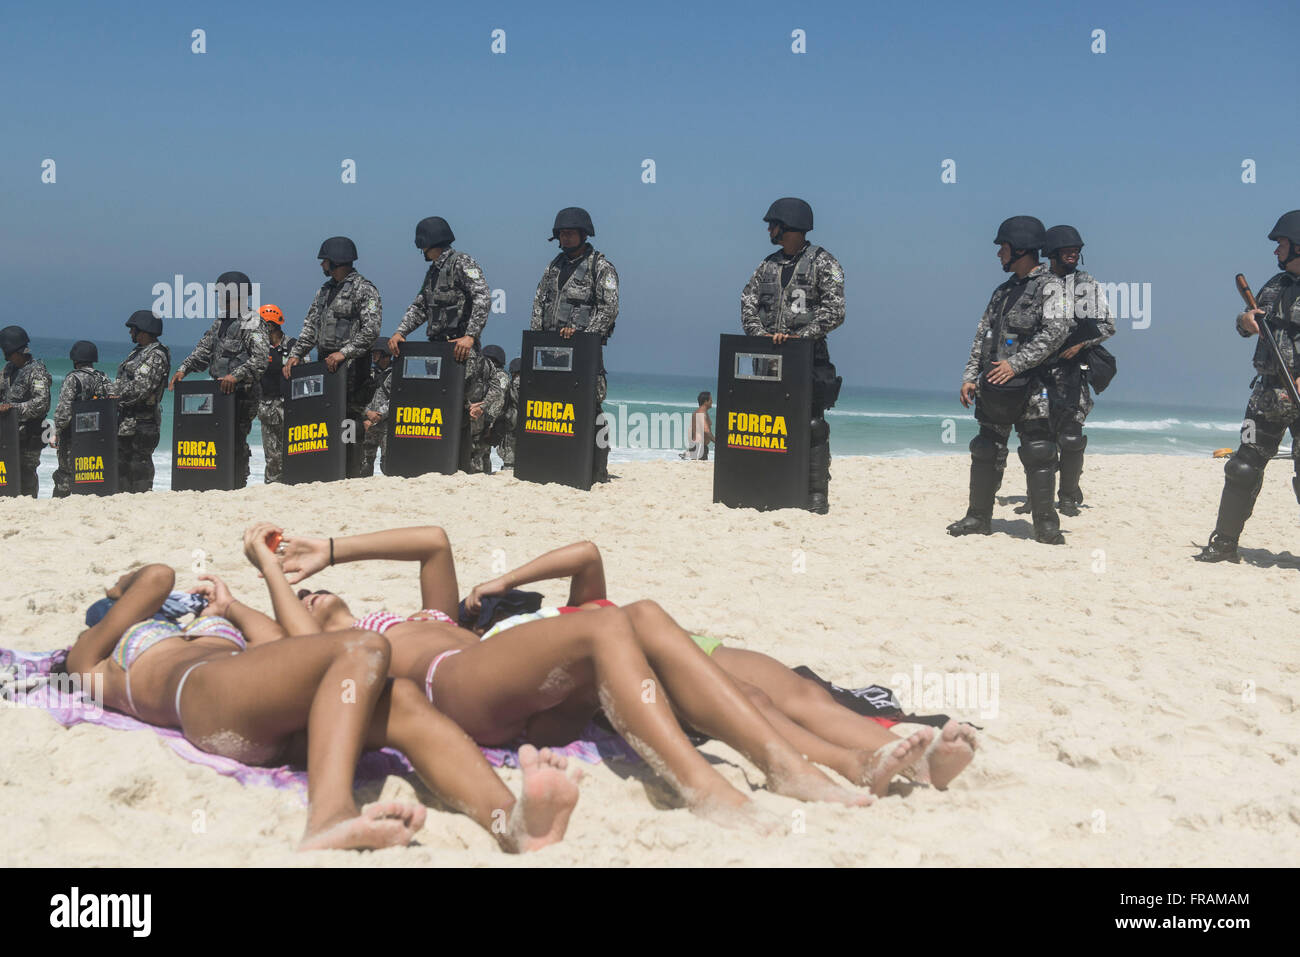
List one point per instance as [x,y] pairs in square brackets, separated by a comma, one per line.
[809,784]
[386,824]
[541,815]
[947,756]
[879,767]
[746,815]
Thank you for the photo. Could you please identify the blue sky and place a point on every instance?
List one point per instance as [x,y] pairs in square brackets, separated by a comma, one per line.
[171,162]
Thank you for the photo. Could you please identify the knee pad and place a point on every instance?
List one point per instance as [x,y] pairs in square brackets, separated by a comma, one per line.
[1073,441]
[1037,454]
[1244,468]
[821,432]
[984,449]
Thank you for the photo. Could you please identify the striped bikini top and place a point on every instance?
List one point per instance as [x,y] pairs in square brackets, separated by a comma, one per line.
[140,637]
[381,621]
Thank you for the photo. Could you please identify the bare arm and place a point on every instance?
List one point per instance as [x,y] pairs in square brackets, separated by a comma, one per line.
[138,595]
[580,562]
[257,628]
[426,544]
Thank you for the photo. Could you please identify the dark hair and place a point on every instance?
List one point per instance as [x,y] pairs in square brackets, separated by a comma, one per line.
[704,397]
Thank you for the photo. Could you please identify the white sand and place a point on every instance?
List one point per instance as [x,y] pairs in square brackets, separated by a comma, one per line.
[1123,734]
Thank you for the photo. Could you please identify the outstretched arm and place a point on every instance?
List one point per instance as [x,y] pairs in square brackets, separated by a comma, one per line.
[426,544]
[137,596]
[580,562]
[256,627]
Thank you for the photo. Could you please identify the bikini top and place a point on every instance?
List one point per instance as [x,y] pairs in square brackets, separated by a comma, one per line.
[381,621]
[140,637]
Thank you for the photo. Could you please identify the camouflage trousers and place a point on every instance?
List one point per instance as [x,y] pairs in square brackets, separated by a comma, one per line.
[29,460]
[376,442]
[506,440]
[245,413]
[270,412]
[1269,414]
[1069,396]
[63,474]
[135,459]
[476,446]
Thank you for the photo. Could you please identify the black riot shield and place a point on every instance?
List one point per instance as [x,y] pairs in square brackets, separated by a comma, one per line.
[10,464]
[93,438]
[314,450]
[764,423]
[426,412]
[204,444]
[556,430]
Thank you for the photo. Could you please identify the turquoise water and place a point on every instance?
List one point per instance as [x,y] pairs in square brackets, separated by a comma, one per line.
[866,421]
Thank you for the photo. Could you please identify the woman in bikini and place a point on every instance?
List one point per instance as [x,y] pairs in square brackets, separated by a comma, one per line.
[496,689]
[237,686]
[803,713]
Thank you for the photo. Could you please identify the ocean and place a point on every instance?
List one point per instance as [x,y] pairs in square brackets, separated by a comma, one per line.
[649,415]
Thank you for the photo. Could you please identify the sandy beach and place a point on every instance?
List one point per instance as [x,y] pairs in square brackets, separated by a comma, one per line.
[1145,710]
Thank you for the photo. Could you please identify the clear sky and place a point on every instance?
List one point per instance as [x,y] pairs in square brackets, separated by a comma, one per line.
[173,162]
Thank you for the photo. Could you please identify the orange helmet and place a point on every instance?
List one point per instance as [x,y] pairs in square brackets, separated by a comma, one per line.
[271,314]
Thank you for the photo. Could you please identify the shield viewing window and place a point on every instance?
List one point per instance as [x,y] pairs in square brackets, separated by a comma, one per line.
[197,404]
[422,367]
[553,358]
[308,386]
[87,422]
[751,365]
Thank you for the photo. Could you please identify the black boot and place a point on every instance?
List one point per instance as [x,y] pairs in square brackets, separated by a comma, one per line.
[819,478]
[985,479]
[1071,496]
[1235,505]
[1041,485]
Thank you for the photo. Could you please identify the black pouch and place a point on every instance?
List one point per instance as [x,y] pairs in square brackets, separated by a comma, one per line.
[1101,367]
[1002,404]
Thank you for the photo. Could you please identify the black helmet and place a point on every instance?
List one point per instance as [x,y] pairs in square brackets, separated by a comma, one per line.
[496,354]
[514,365]
[573,217]
[1288,227]
[145,321]
[13,339]
[339,250]
[1059,237]
[1021,232]
[380,345]
[793,214]
[234,279]
[433,231]
[83,350]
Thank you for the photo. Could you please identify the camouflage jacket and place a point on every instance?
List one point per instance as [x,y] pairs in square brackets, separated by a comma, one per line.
[82,382]
[1035,330]
[28,391]
[810,306]
[511,410]
[379,390]
[1286,328]
[481,385]
[1079,296]
[588,300]
[454,299]
[140,384]
[347,323]
[241,352]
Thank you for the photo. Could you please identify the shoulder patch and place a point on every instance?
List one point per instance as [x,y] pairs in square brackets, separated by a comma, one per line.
[611,281]
[473,272]
[836,272]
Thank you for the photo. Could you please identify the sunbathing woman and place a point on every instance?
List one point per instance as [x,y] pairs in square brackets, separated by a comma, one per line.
[493,689]
[237,687]
[801,711]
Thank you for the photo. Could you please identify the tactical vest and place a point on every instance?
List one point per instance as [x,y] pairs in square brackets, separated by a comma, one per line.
[340,316]
[574,304]
[1286,329]
[230,351]
[148,407]
[273,381]
[789,309]
[446,306]
[1018,315]
[87,384]
[18,388]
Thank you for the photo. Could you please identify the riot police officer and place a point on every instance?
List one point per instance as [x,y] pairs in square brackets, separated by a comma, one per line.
[798,293]
[83,382]
[270,406]
[25,388]
[234,351]
[381,370]
[343,321]
[454,299]
[494,427]
[509,418]
[139,387]
[1270,412]
[578,292]
[1015,336]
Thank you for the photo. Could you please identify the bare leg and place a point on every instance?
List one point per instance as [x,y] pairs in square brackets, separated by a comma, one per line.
[709,700]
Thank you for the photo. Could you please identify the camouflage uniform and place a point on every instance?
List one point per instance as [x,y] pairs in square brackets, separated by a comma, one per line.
[140,384]
[236,347]
[376,439]
[587,300]
[83,382]
[345,317]
[1269,412]
[454,299]
[1018,311]
[809,304]
[270,411]
[485,383]
[28,391]
[505,429]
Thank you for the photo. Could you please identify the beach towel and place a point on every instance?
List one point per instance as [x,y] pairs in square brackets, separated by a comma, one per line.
[30,679]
